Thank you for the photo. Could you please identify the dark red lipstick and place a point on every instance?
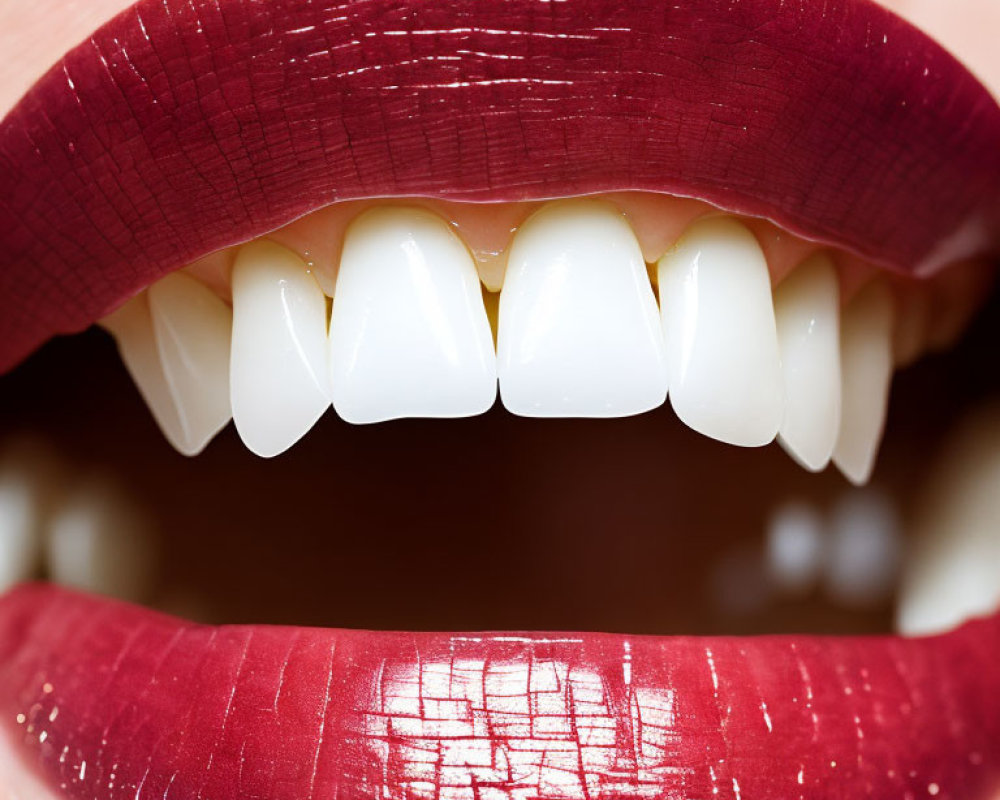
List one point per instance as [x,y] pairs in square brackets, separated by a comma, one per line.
[183,126]
[111,702]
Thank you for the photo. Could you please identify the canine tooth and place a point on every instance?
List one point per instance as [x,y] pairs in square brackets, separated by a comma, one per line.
[722,343]
[409,335]
[866,364]
[278,364]
[578,332]
[807,312]
[97,542]
[18,530]
[193,329]
[132,327]
[952,572]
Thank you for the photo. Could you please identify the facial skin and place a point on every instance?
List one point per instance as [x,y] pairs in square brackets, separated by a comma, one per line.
[34,34]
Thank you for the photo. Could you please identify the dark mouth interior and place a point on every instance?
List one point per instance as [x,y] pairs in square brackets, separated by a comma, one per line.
[498,522]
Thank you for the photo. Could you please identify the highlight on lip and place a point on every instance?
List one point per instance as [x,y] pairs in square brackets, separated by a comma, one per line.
[300,713]
[406,211]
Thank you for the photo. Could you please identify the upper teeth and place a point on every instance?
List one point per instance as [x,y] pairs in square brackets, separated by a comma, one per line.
[807,308]
[867,370]
[409,335]
[279,384]
[722,344]
[193,329]
[577,335]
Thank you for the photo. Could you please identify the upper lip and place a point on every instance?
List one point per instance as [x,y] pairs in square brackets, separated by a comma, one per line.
[181,128]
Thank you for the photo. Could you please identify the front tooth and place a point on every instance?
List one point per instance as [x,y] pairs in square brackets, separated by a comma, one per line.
[409,336]
[193,330]
[578,332]
[278,372]
[807,312]
[866,363]
[722,344]
[132,327]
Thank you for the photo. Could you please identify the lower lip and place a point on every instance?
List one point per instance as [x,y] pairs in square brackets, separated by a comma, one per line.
[110,701]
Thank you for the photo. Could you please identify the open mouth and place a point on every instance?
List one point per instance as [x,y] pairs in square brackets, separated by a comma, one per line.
[306,219]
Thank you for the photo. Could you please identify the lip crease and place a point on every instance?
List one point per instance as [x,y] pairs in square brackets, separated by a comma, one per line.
[184,126]
[115,701]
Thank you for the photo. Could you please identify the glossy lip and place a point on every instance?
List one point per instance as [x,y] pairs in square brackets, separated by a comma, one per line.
[183,126]
[113,701]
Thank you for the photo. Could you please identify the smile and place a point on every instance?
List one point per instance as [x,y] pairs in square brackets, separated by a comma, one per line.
[752,212]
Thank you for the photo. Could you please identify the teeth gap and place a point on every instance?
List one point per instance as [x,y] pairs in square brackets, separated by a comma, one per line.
[582,307]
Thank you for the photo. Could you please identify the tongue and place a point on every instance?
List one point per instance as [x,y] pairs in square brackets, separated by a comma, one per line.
[108,701]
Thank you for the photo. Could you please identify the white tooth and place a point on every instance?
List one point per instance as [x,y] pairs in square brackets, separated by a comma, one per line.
[807,312]
[193,330]
[19,521]
[952,573]
[97,542]
[409,336]
[578,332]
[278,369]
[132,327]
[796,543]
[864,548]
[722,344]
[866,364]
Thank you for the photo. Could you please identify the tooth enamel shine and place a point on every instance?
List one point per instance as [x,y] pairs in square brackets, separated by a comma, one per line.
[132,327]
[807,312]
[409,336]
[193,329]
[578,334]
[866,361]
[278,367]
[721,338]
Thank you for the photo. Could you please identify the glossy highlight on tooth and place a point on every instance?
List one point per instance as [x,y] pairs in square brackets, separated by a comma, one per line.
[807,312]
[578,334]
[279,381]
[866,346]
[723,360]
[502,102]
[746,349]
[409,335]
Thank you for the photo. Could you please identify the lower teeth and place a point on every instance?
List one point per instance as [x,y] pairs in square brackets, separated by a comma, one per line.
[953,567]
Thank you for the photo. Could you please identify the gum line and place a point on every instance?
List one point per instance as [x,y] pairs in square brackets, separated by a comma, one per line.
[932,313]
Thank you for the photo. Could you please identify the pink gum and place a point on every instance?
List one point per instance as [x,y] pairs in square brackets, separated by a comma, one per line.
[657,220]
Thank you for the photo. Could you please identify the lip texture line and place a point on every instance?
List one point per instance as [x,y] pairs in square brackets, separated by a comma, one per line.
[108,702]
[183,126]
